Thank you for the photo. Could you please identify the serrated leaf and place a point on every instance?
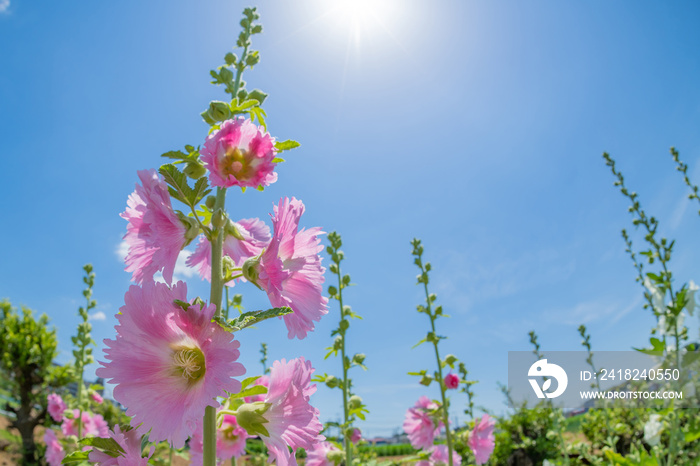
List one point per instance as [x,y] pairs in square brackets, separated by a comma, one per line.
[249,381]
[107,445]
[251,318]
[286,145]
[201,189]
[179,189]
[247,104]
[175,154]
[76,457]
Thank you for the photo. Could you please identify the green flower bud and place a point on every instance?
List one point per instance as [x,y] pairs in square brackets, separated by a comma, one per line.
[192,227]
[219,111]
[331,381]
[210,202]
[250,417]
[217,220]
[336,456]
[250,270]
[337,343]
[195,170]
[359,358]
[355,402]
[450,359]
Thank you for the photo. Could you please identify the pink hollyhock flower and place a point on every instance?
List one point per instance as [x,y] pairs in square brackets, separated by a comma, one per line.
[168,364]
[265,382]
[290,270]
[155,234]
[254,236]
[451,381]
[318,455]
[56,406]
[54,450]
[289,419]
[93,425]
[230,441]
[482,440]
[440,456]
[419,425]
[356,436]
[239,154]
[96,397]
[130,441]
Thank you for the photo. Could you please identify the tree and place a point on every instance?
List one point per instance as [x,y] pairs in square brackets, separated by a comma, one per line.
[27,350]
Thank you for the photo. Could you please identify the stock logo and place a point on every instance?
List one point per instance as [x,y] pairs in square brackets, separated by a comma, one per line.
[544,369]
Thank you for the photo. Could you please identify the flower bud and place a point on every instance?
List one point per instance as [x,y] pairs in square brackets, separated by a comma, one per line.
[217,219]
[450,359]
[337,343]
[355,402]
[250,269]
[359,358]
[250,417]
[210,202]
[219,111]
[195,170]
[331,381]
[336,456]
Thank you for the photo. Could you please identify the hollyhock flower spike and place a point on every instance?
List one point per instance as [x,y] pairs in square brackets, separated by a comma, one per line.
[56,406]
[168,363]
[285,419]
[241,154]
[481,439]
[323,454]
[155,234]
[93,425]
[419,425]
[290,270]
[54,450]
[452,381]
[250,236]
[130,441]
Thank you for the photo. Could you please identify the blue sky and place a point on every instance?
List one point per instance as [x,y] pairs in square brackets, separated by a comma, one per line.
[475,126]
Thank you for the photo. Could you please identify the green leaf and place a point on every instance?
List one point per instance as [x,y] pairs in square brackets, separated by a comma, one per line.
[250,391]
[251,318]
[76,457]
[175,154]
[424,340]
[108,445]
[180,190]
[278,160]
[249,381]
[286,145]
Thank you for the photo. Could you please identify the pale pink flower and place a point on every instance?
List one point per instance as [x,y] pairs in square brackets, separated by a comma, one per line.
[155,234]
[481,439]
[239,154]
[356,436]
[292,421]
[451,381]
[93,425]
[54,450]
[96,397]
[265,382]
[440,456]
[419,425]
[168,364]
[318,455]
[290,270]
[56,406]
[131,443]
[230,441]
[255,236]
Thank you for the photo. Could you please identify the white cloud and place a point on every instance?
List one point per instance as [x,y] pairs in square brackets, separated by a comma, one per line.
[4,6]
[122,248]
[99,315]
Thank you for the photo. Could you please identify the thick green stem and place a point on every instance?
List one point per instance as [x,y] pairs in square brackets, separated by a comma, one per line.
[217,285]
[346,439]
[441,381]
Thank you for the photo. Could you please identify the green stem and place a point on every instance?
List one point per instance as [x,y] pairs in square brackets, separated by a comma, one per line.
[441,381]
[217,286]
[346,439]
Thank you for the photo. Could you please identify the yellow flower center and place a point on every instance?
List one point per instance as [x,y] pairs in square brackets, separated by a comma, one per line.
[189,363]
[236,162]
